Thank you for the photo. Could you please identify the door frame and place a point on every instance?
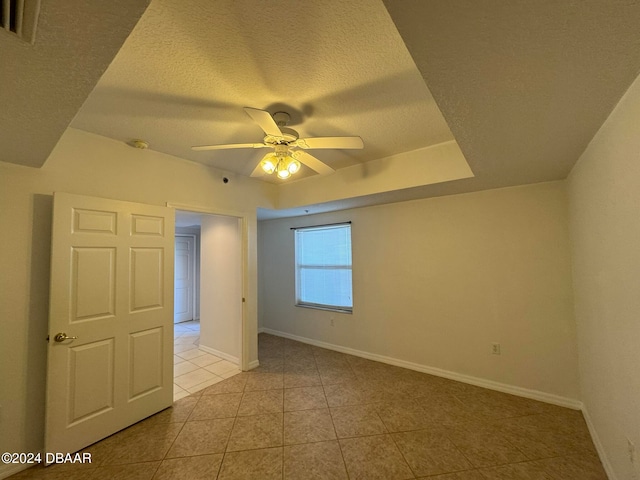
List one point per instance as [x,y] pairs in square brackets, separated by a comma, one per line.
[244,271]
[193,280]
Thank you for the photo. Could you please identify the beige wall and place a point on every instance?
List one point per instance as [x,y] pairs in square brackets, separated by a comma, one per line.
[221,302]
[87,164]
[604,194]
[437,281]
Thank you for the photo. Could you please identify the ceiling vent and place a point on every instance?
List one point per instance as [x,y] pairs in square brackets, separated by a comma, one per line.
[20,17]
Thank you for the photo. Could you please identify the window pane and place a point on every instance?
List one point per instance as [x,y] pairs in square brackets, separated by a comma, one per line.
[323,266]
[330,246]
[331,287]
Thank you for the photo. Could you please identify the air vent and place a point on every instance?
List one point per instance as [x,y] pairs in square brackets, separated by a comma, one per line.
[20,17]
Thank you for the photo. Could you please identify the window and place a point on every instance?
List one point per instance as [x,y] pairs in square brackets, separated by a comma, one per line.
[323,267]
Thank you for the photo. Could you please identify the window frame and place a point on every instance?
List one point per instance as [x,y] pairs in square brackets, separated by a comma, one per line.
[298,266]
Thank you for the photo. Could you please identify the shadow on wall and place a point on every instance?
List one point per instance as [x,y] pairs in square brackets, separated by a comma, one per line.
[38,316]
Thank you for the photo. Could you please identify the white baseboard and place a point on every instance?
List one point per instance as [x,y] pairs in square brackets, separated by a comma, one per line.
[254,364]
[598,444]
[218,353]
[262,330]
[479,382]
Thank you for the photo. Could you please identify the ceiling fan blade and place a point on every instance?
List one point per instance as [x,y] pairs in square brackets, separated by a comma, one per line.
[330,142]
[264,120]
[228,146]
[312,162]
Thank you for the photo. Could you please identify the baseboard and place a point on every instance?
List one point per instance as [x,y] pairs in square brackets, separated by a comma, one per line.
[598,444]
[254,364]
[218,353]
[11,469]
[261,330]
[479,382]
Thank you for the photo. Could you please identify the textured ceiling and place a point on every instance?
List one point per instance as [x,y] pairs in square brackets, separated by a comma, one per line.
[43,85]
[339,68]
[524,85]
[521,86]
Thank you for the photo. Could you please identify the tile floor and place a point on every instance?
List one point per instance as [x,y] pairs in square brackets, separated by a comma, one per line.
[308,413]
[195,369]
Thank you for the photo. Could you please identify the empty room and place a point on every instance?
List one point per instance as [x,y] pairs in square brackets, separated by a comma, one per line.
[416,226]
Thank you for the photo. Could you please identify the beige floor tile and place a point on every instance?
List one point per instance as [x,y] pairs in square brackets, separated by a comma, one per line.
[234,384]
[264,381]
[135,471]
[184,367]
[468,475]
[304,398]
[314,461]
[192,379]
[402,416]
[262,464]
[188,353]
[307,426]
[258,431]
[178,413]
[374,458]
[202,438]
[221,367]
[224,405]
[357,420]
[435,425]
[187,338]
[205,360]
[483,447]
[340,395]
[231,373]
[429,453]
[335,375]
[141,444]
[518,471]
[301,379]
[201,386]
[261,401]
[203,467]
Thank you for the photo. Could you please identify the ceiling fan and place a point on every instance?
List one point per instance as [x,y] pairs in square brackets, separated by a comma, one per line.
[288,149]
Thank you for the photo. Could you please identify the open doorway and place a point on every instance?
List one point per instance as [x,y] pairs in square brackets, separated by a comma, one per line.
[208,300]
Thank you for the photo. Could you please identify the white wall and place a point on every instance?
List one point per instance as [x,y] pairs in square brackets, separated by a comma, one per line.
[604,198]
[221,300]
[87,164]
[436,281]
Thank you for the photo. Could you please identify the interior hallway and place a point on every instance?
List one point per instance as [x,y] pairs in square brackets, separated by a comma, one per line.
[193,368]
[309,413]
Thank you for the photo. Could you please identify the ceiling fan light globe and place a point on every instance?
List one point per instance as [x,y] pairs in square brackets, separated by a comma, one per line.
[268,166]
[283,173]
[294,166]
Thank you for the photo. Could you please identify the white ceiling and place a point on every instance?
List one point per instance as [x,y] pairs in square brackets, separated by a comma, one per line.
[339,68]
[43,85]
[521,86]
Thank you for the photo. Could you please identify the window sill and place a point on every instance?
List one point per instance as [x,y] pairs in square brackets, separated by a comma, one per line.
[326,308]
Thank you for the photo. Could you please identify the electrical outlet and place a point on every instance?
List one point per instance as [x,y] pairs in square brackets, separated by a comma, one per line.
[495,348]
[333,321]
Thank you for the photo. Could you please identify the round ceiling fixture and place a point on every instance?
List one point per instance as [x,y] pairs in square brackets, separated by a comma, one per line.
[137,143]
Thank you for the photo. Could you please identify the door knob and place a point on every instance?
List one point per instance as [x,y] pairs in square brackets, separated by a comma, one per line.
[61,337]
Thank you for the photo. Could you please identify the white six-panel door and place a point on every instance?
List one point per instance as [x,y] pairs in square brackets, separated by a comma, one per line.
[112,288]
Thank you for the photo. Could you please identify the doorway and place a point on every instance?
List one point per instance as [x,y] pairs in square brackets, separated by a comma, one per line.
[185,281]
[208,347]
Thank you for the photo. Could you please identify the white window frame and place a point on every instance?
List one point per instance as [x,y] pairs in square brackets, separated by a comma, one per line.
[298,267]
